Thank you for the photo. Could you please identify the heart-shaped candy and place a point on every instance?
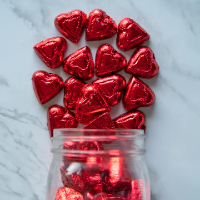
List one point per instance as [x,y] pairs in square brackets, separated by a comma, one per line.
[108,60]
[130,34]
[143,63]
[60,117]
[51,51]
[90,105]
[130,120]
[103,121]
[111,88]
[73,91]
[100,26]
[46,85]
[65,193]
[137,94]
[80,63]
[71,24]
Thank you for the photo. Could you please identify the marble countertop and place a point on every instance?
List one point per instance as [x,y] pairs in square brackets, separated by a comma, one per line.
[172,123]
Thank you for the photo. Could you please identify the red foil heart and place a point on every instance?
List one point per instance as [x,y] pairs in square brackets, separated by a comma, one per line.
[105,196]
[65,193]
[103,121]
[134,191]
[51,51]
[108,60]
[143,63]
[73,91]
[71,25]
[111,88]
[118,177]
[60,117]
[130,120]
[137,94]
[130,34]
[80,63]
[90,105]
[46,85]
[100,26]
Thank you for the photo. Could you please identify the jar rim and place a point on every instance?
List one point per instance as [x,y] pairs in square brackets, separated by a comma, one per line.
[74,134]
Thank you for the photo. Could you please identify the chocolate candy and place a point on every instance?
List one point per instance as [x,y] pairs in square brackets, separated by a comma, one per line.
[143,63]
[130,34]
[108,60]
[93,180]
[65,193]
[73,91]
[103,121]
[90,105]
[105,196]
[71,24]
[118,177]
[60,117]
[46,85]
[134,191]
[100,26]
[130,120]
[80,63]
[111,88]
[137,94]
[51,51]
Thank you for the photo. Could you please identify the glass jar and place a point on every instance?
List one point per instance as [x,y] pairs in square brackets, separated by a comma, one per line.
[99,165]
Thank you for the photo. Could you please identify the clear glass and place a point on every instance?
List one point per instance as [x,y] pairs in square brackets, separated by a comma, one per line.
[98,165]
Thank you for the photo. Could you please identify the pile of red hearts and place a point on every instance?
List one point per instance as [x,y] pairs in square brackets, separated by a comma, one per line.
[92,102]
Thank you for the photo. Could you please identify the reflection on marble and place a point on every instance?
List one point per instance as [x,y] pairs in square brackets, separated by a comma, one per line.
[172,123]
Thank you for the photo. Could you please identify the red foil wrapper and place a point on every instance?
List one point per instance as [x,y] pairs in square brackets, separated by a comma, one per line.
[90,105]
[100,26]
[130,34]
[130,120]
[65,193]
[73,91]
[108,60]
[103,121]
[111,88]
[80,63]
[46,85]
[143,63]
[118,177]
[51,51]
[105,196]
[134,192]
[93,180]
[88,196]
[137,94]
[60,117]
[71,24]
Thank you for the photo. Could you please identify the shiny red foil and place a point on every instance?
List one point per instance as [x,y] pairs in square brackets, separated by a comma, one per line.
[90,105]
[111,88]
[60,117]
[100,26]
[65,193]
[73,91]
[137,94]
[118,177]
[71,25]
[130,120]
[80,63]
[51,51]
[103,121]
[130,34]
[143,63]
[93,180]
[46,85]
[108,60]
[134,191]
[105,196]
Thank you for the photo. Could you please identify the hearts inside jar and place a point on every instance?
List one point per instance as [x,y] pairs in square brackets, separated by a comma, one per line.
[100,26]
[46,85]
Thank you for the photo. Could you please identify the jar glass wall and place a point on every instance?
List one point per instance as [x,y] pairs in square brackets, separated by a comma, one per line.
[98,165]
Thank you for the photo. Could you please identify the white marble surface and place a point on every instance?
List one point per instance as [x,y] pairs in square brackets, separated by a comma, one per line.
[172,123]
